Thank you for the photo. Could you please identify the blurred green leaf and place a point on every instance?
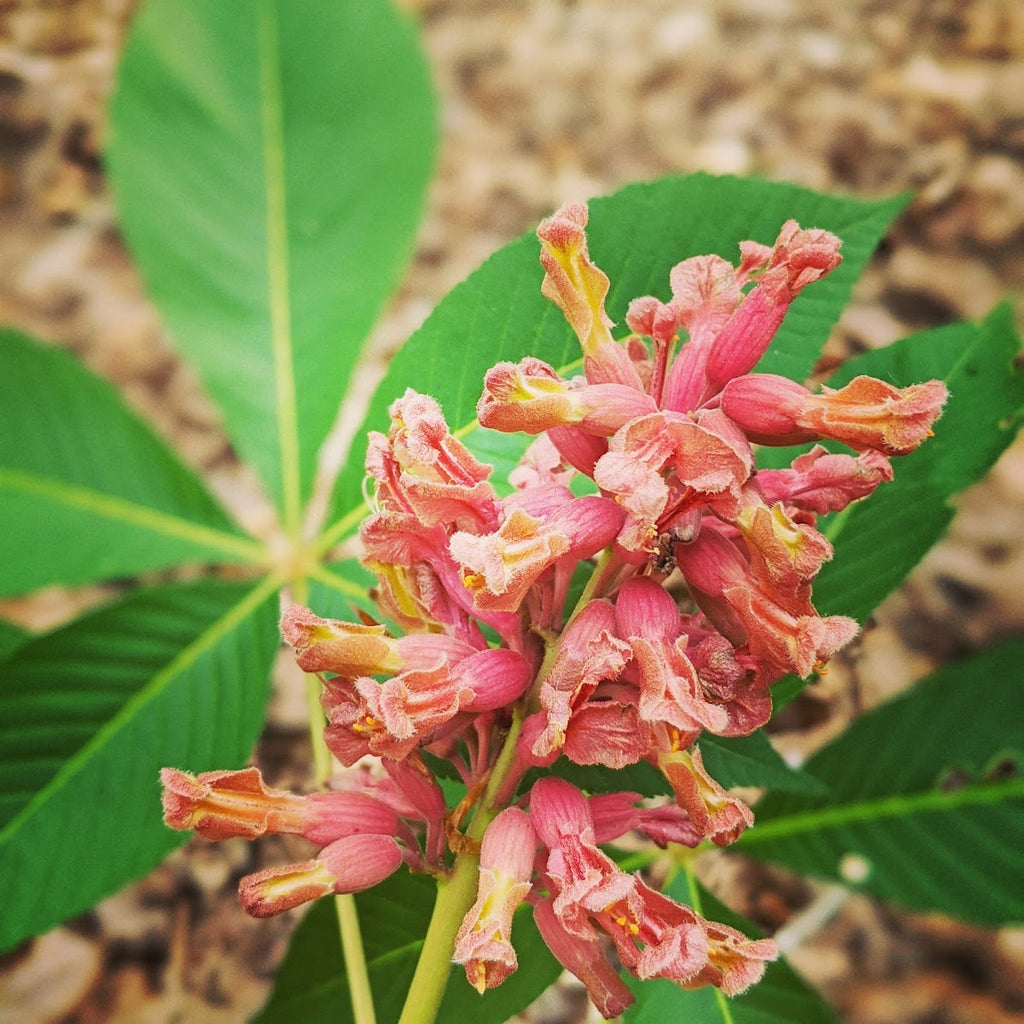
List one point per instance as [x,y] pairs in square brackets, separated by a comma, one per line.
[169,676]
[393,916]
[927,805]
[636,236]
[269,161]
[87,490]
[11,638]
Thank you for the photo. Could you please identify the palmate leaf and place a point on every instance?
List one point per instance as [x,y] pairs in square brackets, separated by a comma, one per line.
[269,161]
[87,490]
[393,917]
[169,676]
[935,820]
[636,236]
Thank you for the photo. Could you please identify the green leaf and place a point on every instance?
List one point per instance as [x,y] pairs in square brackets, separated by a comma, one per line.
[169,676]
[780,997]
[878,541]
[11,638]
[753,761]
[269,161]
[928,798]
[87,490]
[636,236]
[341,589]
[311,984]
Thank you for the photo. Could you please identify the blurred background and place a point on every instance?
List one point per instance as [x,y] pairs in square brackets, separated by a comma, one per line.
[542,102]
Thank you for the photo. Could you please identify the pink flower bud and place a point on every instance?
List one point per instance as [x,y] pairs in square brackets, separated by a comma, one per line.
[865,414]
[821,482]
[799,258]
[345,648]
[222,805]
[484,942]
[579,288]
[347,865]
[653,318]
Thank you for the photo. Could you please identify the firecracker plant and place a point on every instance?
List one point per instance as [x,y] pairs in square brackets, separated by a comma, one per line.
[572,604]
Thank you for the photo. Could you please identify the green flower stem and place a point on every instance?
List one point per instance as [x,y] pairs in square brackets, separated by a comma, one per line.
[356,973]
[355,961]
[455,895]
[323,764]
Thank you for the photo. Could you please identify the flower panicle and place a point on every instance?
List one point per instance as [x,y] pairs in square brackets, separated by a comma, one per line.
[699,566]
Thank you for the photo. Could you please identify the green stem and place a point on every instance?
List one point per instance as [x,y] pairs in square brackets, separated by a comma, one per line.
[455,895]
[360,993]
[355,960]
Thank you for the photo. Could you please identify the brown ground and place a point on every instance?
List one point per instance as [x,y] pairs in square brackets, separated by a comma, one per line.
[545,101]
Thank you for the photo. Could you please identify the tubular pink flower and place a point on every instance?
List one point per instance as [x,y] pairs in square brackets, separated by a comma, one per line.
[654,936]
[530,397]
[390,719]
[345,648]
[631,471]
[705,293]
[865,414]
[686,685]
[424,445]
[798,258]
[585,958]
[589,652]
[785,553]
[422,470]
[484,942]
[499,568]
[734,961]
[821,482]
[662,465]
[226,804]
[348,865]
[714,813]
[788,633]
[579,288]
[781,628]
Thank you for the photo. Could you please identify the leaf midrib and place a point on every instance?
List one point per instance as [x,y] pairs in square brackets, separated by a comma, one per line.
[123,510]
[896,806]
[278,285]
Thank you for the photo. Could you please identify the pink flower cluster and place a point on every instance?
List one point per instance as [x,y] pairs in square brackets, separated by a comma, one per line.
[698,570]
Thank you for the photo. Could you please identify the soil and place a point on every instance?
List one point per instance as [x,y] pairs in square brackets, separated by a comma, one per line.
[543,102]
